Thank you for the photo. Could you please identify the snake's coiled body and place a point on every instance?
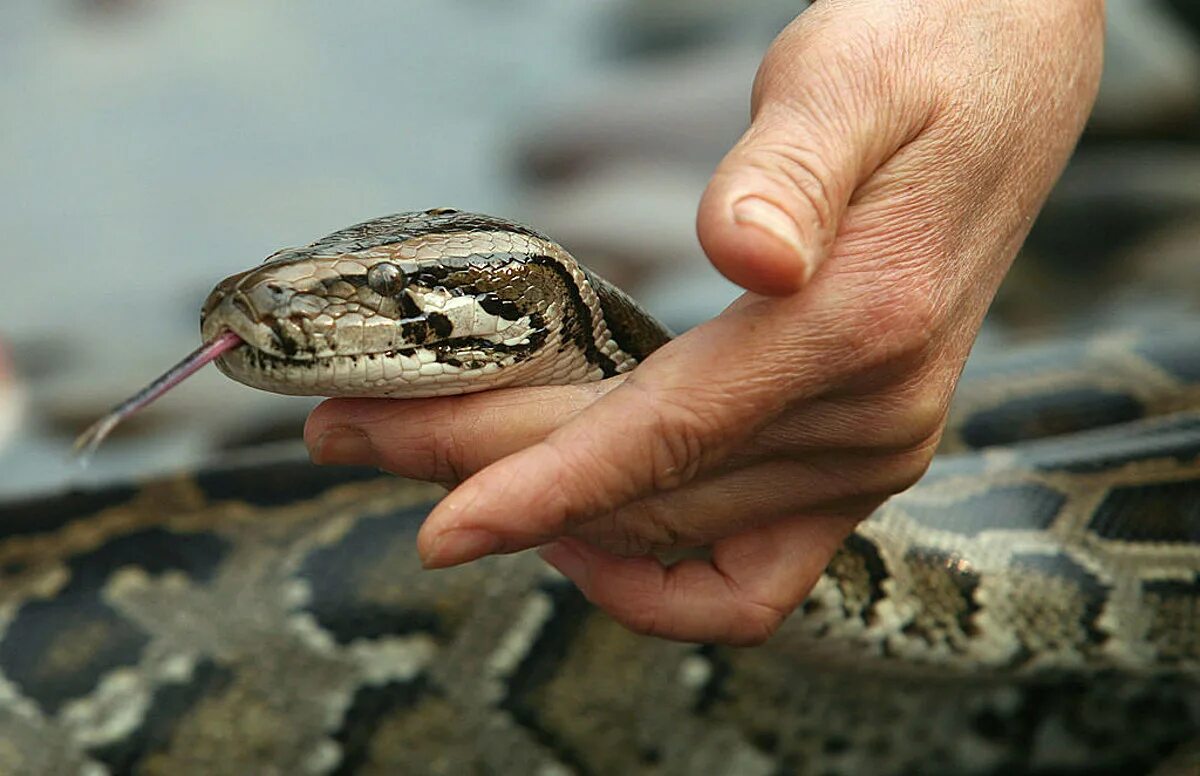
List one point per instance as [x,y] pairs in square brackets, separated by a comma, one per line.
[1032,606]
[443,302]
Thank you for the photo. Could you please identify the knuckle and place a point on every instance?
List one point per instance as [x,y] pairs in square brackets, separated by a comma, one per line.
[858,55]
[926,413]
[641,615]
[450,450]
[903,470]
[904,322]
[643,622]
[892,325]
[647,526]
[755,624]
[804,177]
[628,532]
[588,484]
[914,318]
[444,465]
[916,423]
[643,610]
[677,454]
[680,435]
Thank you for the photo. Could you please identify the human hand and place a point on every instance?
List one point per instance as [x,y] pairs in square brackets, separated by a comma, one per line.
[897,156]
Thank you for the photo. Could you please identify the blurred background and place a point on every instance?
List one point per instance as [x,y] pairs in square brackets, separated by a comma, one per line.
[148,148]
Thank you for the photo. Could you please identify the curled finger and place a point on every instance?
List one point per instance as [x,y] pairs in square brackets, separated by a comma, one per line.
[739,597]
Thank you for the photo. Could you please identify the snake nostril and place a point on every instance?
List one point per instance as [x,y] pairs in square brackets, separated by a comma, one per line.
[240,304]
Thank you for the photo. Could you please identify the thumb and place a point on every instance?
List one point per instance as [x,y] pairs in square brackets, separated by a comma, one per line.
[826,112]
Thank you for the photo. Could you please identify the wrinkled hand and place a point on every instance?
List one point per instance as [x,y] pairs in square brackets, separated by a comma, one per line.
[897,156]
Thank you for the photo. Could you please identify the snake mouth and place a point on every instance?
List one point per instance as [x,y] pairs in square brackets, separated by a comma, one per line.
[428,367]
[274,341]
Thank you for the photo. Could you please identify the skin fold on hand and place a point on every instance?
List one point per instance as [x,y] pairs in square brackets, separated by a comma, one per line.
[897,156]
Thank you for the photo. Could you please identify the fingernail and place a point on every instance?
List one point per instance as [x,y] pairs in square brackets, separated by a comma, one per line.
[760,213]
[568,562]
[343,445]
[460,545]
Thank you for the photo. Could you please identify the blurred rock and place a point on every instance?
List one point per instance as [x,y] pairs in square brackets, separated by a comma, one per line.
[1162,271]
[688,297]
[1151,72]
[655,27]
[686,109]
[1187,11]
[627,220]
[1161,177]
[12,398]
[1109,198]
[1115,245]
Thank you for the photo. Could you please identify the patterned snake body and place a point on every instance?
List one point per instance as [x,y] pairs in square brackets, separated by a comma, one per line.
[1031,606]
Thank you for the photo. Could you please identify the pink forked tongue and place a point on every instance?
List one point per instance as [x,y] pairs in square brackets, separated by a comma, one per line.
[89,440]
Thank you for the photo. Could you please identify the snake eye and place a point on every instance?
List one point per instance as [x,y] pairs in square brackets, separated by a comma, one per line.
[386,279]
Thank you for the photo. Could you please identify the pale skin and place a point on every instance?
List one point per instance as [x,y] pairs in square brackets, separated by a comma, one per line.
[897,156]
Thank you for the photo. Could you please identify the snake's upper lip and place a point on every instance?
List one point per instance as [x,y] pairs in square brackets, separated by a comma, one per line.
[285,337]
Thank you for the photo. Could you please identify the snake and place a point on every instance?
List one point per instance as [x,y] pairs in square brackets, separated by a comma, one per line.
[1031,606]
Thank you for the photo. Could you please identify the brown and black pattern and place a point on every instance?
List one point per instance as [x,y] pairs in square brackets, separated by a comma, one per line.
[1031,608]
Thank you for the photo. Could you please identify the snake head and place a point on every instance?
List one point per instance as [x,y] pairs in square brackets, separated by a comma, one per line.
[419,304]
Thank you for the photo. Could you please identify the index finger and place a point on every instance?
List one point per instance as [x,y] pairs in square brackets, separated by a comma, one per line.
[445,439]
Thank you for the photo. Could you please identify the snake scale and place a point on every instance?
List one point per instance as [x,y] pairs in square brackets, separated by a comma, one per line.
[1031,606]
